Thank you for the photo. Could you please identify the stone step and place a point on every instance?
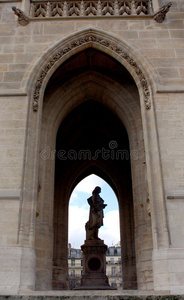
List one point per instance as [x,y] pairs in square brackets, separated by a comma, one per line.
[93,295]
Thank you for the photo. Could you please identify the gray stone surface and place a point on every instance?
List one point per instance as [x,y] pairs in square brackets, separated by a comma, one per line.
[95,297]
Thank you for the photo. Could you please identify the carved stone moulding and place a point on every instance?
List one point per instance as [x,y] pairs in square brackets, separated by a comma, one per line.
[90,8]
[81,41]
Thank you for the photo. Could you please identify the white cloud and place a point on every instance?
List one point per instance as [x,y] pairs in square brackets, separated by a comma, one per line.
[88,184]
[110,232]
[78,216]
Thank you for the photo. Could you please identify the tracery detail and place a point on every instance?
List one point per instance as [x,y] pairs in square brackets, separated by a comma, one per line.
[87,39]
[84,8]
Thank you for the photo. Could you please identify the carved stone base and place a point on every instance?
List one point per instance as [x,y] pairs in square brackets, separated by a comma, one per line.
[94,266]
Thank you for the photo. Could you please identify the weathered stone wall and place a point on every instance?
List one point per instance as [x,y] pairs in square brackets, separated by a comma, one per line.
[21,47]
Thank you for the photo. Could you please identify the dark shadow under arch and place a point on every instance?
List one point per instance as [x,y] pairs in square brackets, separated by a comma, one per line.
[93,127]
[96,170]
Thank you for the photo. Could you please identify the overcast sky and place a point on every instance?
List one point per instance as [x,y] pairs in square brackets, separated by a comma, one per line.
[79,212]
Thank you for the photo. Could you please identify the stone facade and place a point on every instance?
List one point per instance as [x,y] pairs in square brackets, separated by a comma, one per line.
[127,70]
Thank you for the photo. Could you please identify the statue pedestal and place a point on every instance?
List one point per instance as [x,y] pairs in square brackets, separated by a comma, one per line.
[94,266]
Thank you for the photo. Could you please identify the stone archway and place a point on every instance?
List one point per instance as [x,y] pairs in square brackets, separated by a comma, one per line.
[128,102]
[97,87]
[86,143]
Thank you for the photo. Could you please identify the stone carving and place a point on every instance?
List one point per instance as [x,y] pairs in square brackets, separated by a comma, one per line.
[95,250]
[56,9]
[95,215]
[143,7]
[159,17]
[87,39]
[22,18]
[90,8]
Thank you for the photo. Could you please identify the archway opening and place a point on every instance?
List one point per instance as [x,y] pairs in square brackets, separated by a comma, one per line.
[109,232]
[93,140]
[92,121]
[79,212]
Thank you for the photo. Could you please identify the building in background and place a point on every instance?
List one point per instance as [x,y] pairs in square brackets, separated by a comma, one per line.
[114,266]
[75,266]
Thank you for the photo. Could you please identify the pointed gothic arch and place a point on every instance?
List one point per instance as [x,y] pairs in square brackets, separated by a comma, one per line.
[46,113]
[100,160]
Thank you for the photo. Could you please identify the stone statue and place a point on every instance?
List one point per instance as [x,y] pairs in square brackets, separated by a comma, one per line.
[94,250]
[159,17]
[22,18]
[95,215]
